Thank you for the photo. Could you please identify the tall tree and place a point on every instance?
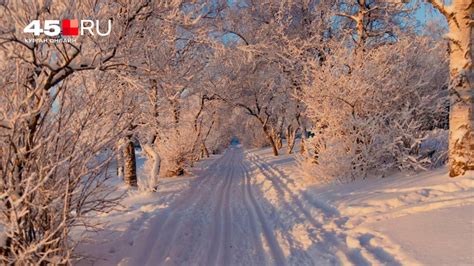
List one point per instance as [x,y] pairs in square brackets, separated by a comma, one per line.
[460,22]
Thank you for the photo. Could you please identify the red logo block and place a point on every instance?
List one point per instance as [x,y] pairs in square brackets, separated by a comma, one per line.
[70,27]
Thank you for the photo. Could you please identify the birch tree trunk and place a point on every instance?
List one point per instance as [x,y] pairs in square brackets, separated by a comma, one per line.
[155,164]
[119,159]
[458,15]
[119,164]
[130,164]
[460,90]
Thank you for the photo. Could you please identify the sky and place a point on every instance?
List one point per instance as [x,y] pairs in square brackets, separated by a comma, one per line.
[427,13]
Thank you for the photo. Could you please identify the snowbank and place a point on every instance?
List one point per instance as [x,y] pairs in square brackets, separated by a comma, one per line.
[421,218]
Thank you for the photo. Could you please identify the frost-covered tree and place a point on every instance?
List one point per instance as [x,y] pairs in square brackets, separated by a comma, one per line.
[267,46]
[461,138]
[374,115]
[61,115]
[171,86]
[53,177]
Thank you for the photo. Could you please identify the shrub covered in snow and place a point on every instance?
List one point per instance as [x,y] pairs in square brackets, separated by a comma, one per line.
[372,112]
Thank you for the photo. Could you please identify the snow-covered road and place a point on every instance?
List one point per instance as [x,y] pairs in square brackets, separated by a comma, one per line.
[250,208]
[218,221]
[240,211]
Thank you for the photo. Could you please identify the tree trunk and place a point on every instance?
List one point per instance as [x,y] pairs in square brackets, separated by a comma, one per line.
[272,141]
[277,134]
[119,159]
[290,138]
[460,90]
[277,138]
[303,140]
[155,162]
[130,164]
[204,151]
[176,115]
[361,35]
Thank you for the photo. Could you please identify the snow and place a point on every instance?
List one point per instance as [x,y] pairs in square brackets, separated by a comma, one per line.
[248,207]
[435,237]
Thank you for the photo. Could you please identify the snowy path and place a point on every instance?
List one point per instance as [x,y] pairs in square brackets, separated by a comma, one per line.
[252,208]
[241,211]
[218,221]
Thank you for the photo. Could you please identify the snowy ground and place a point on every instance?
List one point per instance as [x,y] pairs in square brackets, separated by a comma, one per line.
[251,208]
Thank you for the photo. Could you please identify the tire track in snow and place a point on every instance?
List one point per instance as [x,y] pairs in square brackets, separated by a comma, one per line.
[180,221]
[198,254]
[166,225]
[227,239]
[199,227]
[220,237]
[207,200]
[252,216]
[275,249]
